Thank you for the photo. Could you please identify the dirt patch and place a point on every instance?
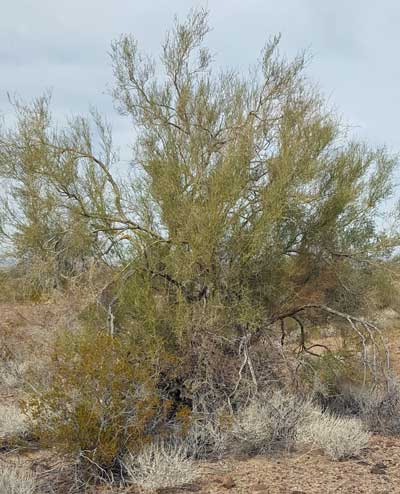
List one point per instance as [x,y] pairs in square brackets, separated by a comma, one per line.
[310,472]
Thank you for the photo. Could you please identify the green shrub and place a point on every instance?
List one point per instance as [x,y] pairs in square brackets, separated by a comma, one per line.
[248,205]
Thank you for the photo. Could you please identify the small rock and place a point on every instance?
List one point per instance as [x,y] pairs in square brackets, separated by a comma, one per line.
[380,465]
[260,488]
[227,482]
[378,471]
[193,488]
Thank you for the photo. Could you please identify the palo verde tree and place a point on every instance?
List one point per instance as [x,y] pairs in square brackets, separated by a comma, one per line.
[246,194]
[251,195]
[247,204]
[245,187]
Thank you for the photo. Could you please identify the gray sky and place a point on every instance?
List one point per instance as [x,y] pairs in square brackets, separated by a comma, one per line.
[63,45]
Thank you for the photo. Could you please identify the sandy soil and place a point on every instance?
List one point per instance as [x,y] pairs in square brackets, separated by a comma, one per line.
[377,471]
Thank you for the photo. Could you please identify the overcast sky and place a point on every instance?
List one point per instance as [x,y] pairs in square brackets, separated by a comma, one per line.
[63,45]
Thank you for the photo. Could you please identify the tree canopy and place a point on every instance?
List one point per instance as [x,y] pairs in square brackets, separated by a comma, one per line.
[243,187]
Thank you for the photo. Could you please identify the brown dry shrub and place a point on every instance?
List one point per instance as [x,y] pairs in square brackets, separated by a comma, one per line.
[100,400]
[33,281]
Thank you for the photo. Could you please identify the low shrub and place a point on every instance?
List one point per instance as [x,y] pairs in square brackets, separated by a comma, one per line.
[379,408]
[339,437]
[98,401]
[268,422]
[207,435]
[277,421]
[328,376]
[12,373]
[161,465]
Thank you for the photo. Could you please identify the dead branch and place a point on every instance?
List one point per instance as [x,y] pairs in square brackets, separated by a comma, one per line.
[358,325]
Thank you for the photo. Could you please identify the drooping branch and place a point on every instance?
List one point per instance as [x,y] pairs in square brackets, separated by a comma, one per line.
[357,324]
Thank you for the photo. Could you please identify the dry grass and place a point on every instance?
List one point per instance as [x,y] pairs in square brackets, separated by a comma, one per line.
[160,465]
[12,373]
[12,421]
[282,421]
[14,480]
[267,423]
[338,437]
[380,408]
[206,437]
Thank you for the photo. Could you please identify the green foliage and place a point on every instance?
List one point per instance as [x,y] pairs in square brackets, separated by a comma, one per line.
[383,284]
[243,189]
[50,238]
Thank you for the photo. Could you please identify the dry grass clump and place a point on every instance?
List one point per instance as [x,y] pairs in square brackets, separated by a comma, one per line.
[12,372]
[377,405]
[339,437]
[280,420]
[161,465]
[380,408]
[207,437]
[14,480]
[12,421]
[267,423]
[277,421]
